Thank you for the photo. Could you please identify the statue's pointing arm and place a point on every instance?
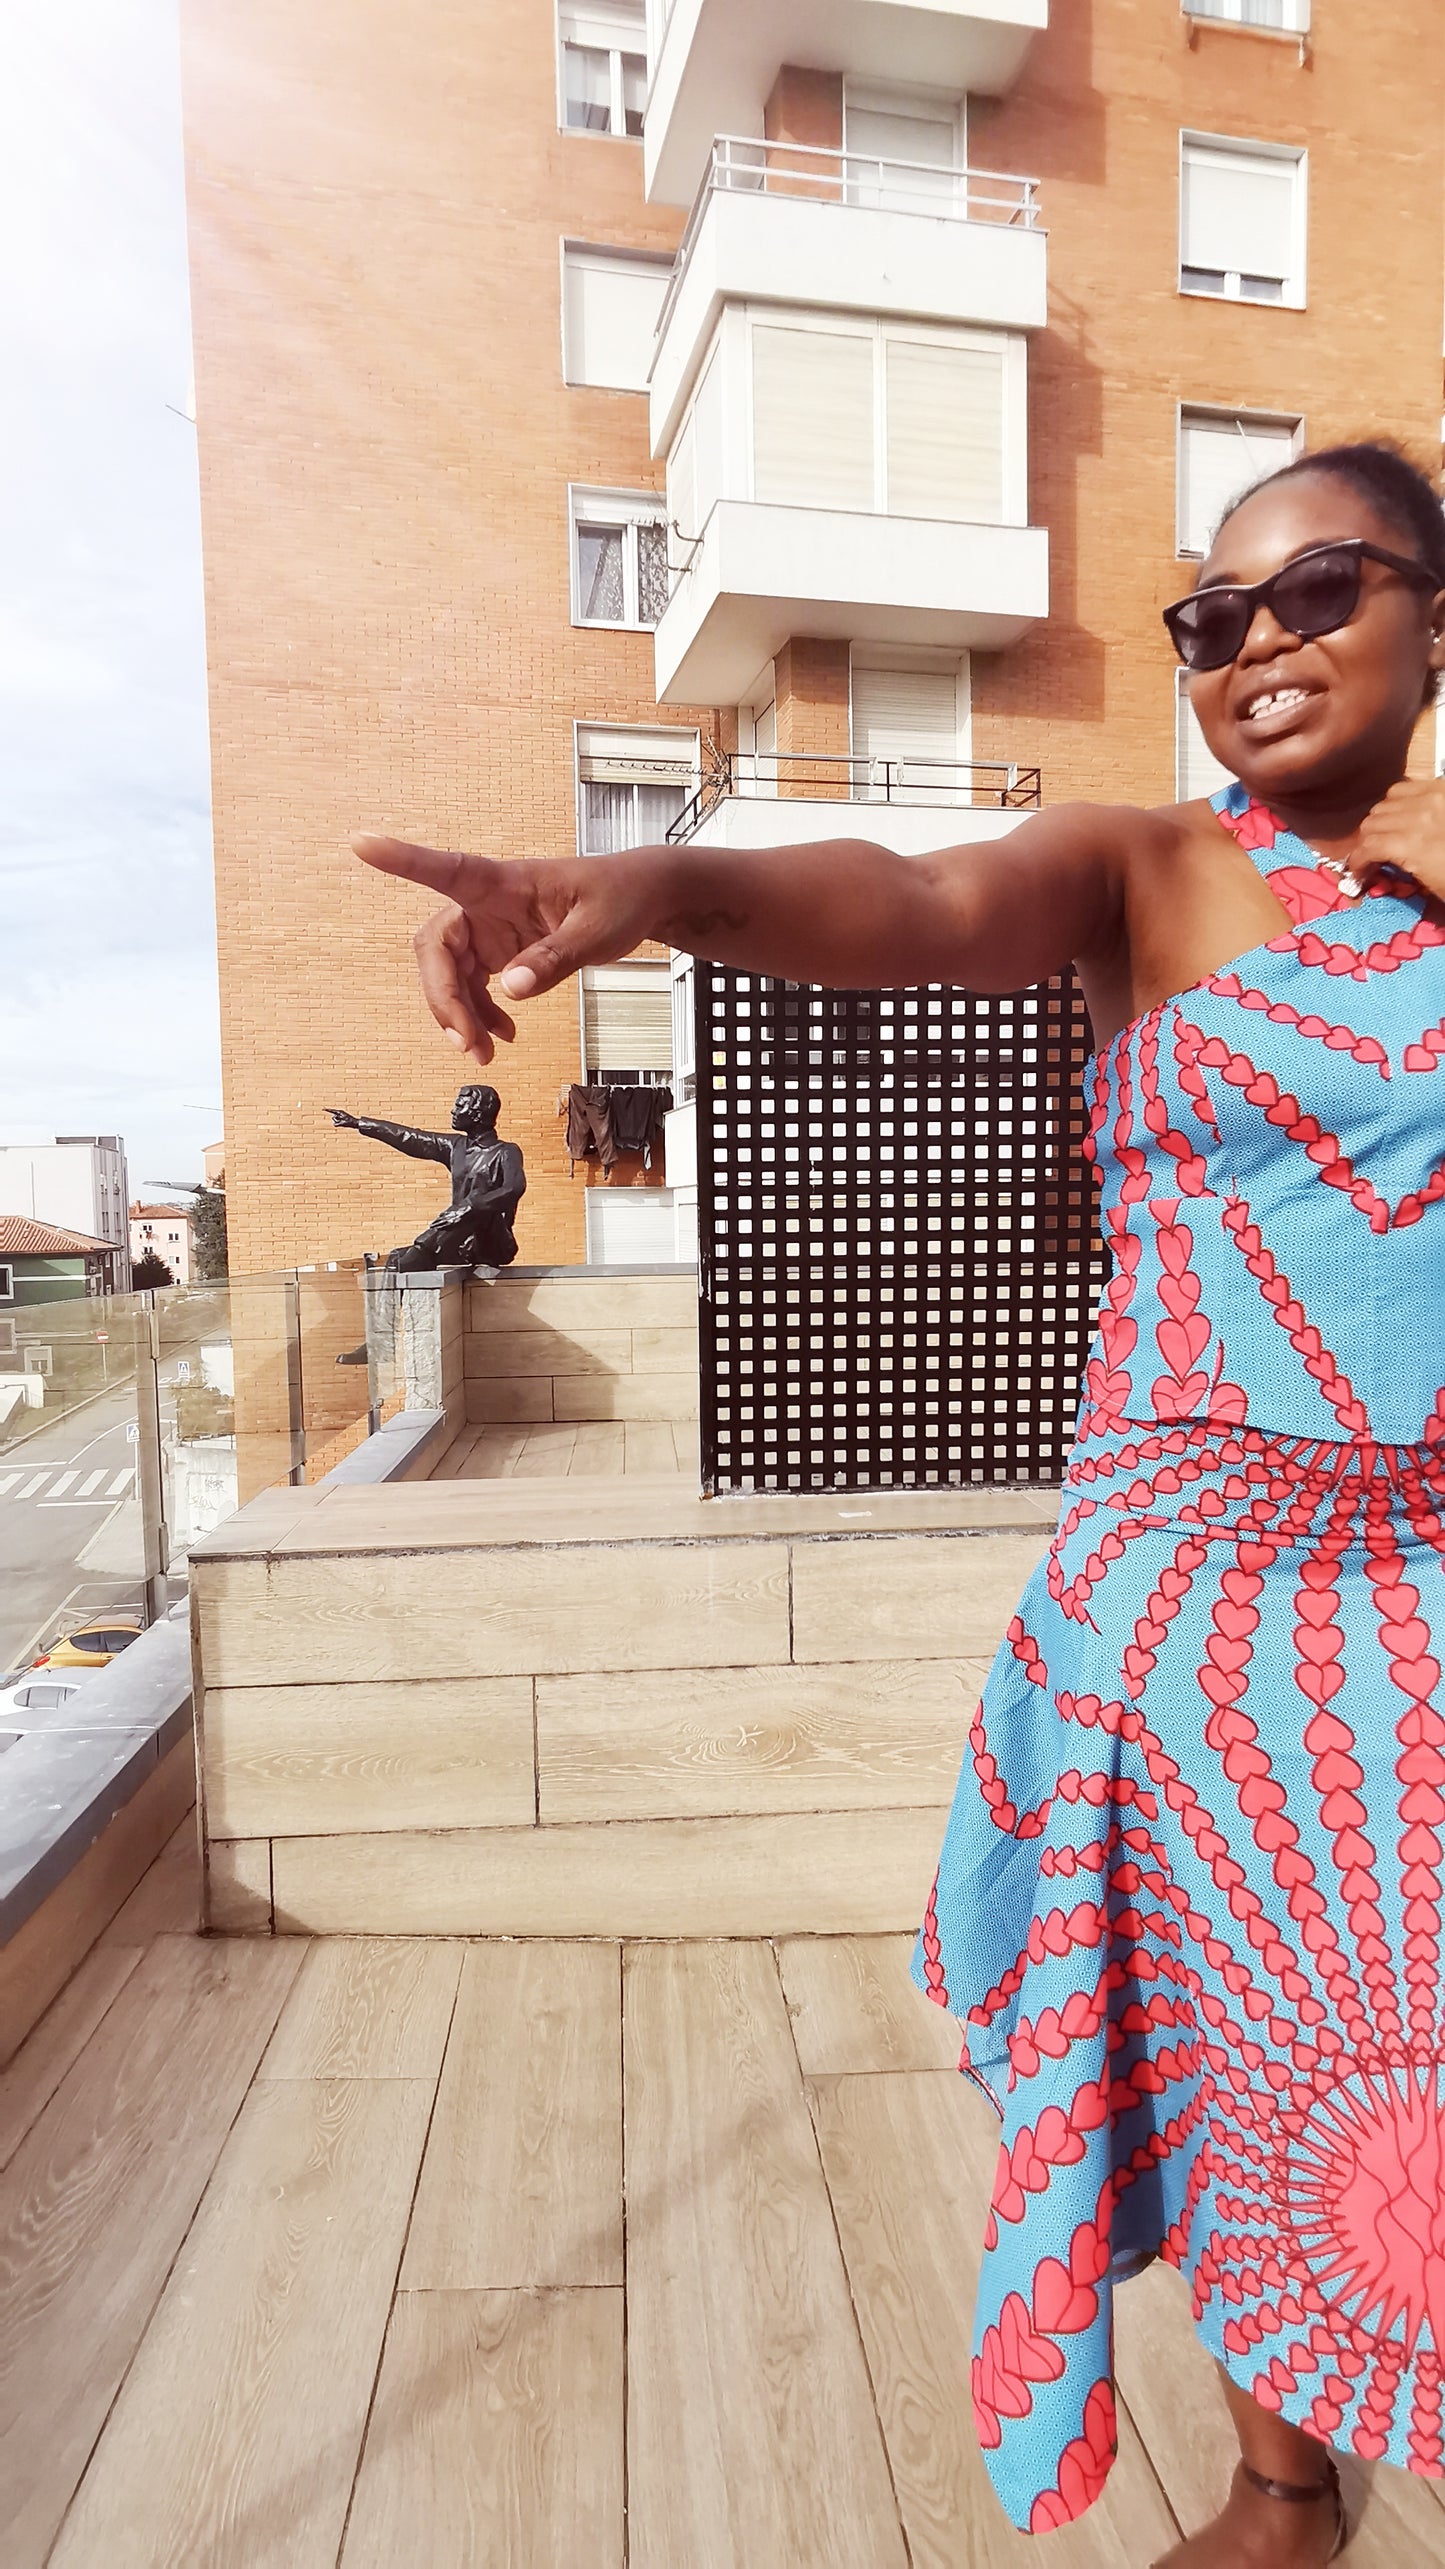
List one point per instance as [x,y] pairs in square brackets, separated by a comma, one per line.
[409,1138]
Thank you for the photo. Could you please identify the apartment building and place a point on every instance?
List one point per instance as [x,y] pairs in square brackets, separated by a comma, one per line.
[742,417]
[77,1183]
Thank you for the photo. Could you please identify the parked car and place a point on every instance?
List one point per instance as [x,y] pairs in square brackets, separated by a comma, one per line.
[93,1645]
[37,1697]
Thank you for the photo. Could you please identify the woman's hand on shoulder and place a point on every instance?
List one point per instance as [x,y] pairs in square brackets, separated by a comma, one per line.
[528,922]
[1406,830]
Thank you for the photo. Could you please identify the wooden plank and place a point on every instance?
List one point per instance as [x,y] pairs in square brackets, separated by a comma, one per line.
[688,1444]
[457,1459]
[305,1760]
[167,1899]
[39,1958]
[820,1873]
[854,2006]
[496,2436]
[752,2435]
[625,1396]
[522,2182]
[908,1597]
[238,1887]
[648,1447]
[450,1614]
[1170,2381]
[584,1301]
[236,2436]
[679,1744]
[600,1448]
[909,2159]
[517,1353]
[493,1454]
[547,1454]
[364,2009]
[99,2196]
[56,2043]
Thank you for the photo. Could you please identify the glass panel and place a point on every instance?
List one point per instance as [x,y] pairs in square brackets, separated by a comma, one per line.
[601,597]
[72,1546]
[588,78]
[652,579]
[607,818]
[634,92]
[658,806]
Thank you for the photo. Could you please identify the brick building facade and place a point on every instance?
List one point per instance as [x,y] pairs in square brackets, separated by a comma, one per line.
[400,575]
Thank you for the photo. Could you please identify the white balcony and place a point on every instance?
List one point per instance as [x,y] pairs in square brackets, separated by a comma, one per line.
[760,573]
[845,232]
[753,799]
[715,61]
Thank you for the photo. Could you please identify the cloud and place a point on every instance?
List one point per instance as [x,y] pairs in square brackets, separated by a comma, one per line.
[107,964]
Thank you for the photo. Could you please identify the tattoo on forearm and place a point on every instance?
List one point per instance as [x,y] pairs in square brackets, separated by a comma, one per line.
[692,924]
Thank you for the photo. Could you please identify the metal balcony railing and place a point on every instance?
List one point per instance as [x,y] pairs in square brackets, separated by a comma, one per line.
[744,165]
[807,776]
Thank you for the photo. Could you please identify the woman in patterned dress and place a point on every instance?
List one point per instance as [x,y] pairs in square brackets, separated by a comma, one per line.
[1189,1910]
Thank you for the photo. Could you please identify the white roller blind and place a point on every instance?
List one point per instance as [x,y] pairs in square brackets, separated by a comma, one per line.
[627,1016]
[898,135]
[1238,211]
[707,423]
[812,418]
[945,431]
[610,308]
[622,23]
[1197,770]
[907,714]
[1218,458]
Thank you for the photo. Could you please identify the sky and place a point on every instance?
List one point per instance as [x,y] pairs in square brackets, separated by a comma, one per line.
[107,957]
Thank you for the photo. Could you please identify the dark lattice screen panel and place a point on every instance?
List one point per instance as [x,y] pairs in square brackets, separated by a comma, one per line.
[899,1257]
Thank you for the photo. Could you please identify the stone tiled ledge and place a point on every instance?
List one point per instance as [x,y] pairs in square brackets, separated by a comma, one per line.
[61,1786]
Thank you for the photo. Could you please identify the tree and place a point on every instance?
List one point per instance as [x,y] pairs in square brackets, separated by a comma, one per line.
[209,1255]
[150,1272]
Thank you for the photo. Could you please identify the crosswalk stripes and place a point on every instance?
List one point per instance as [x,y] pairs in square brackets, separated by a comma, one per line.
[53,1483]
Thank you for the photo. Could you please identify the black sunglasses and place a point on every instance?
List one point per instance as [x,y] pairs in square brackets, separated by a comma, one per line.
[1315,593]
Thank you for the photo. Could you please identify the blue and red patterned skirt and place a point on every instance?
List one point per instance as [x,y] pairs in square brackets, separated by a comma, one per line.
[1189,1915]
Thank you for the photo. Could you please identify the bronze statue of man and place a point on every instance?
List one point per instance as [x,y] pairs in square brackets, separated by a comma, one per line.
[488,1183]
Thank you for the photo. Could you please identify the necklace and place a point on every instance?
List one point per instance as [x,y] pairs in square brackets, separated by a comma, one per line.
[1350,884]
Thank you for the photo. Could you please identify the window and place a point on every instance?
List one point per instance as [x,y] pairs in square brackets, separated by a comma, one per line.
[7,1284]
[627,1022]
[910,726]
[924,130]
[7,1338]
[1196,769]
[1220,453]
[1241,221]
[619,558]
[611,301]
[1291,17]
[631,785]
[604,69]
[911,422]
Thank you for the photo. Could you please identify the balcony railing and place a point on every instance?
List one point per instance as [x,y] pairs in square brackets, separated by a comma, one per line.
[743,165]
[808,776]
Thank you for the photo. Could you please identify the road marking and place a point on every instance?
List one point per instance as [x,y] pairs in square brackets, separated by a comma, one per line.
[57,1488]
[7,1482]
[122,1481]
[91,1482]
[32,1486]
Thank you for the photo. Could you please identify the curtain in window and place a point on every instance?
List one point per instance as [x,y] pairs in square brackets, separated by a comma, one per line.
[813,418]
[652,579]
[945,431]
[589,88]
[603,598]
[607,819]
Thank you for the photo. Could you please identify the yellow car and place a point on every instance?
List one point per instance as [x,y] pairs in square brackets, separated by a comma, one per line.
[92,1645]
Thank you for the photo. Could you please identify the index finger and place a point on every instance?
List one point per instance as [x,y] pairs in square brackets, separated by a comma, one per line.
[438,868]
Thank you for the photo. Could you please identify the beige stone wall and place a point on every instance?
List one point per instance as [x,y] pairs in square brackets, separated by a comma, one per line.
[591,1346]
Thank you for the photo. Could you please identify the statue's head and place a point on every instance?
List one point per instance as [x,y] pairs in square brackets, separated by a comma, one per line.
[476,1110]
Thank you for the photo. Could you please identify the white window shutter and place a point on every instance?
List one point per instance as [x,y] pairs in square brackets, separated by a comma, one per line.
[1218,458]
[1197,770]
[906,715]
[707,419]
[813,418]
[627,1016]
[945,431]
[610,313]
[1238,211]
[622,24]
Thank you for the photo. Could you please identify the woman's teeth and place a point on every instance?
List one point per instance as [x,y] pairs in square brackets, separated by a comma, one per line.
[1283,701]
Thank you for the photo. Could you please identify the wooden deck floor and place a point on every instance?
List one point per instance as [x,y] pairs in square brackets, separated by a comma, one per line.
[537,2256]
[607,1450]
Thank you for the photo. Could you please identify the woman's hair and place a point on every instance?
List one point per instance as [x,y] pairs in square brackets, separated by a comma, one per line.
[1398,491]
